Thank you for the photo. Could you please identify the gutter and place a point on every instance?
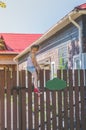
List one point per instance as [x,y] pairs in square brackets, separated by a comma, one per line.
[80,37]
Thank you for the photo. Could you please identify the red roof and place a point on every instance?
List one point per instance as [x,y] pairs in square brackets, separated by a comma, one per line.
[18,42]
[81,7]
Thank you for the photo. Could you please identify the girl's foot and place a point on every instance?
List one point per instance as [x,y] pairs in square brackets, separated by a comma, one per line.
[36,90]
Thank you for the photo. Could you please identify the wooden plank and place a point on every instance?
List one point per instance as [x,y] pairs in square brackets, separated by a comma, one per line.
[59,104]
[36,111]
[9,85]
[65,102]
[41,79]
[14,110]
[20,101]
[2,108]
[48,119]
[20,109]
[23,92]
[48,110]
[77,112]
[20,78]
[60,110]
[70,73]
[85,86]
[47,75]
[23,99]
[42,100]
[29,101]
[83,122]
[14,101]
[54,118]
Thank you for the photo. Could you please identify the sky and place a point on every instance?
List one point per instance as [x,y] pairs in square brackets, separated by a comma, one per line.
[34,16]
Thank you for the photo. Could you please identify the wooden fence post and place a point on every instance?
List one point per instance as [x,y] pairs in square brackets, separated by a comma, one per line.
[29,101]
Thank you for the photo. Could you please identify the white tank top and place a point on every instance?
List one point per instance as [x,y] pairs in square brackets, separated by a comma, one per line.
[29,62]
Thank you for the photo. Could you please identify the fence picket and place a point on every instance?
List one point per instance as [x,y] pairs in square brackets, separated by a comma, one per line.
[48,116]
[36,111]
[54,115]
[14,92]
[14,110]
[83,117]
[71,108]
[42,120]
[59,104]
[29,101]
[77,112]
[2,106]
[48,111]
[23,100]
[65,102]
[9,86]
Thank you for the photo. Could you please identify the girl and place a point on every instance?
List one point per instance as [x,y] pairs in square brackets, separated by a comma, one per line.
[33,67]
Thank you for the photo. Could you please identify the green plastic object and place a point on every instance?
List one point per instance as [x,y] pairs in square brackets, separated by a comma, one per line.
[56,84]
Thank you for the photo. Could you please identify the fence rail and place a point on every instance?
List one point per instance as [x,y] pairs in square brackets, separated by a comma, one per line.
[22,109]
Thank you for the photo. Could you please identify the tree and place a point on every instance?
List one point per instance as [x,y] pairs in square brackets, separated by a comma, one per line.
[2,4]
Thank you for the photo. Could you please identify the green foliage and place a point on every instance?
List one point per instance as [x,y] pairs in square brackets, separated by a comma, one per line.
[62,64]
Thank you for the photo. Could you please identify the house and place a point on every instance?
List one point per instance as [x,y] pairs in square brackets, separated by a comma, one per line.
[63,46]
[11,45]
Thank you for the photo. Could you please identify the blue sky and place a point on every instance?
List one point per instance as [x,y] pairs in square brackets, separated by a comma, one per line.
[33,16]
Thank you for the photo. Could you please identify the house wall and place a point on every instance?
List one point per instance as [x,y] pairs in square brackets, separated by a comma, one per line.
[6,61]
[84,34]
[7,56]
[63,46]
[62,49]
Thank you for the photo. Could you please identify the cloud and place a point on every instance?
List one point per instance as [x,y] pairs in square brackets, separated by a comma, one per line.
[56,84]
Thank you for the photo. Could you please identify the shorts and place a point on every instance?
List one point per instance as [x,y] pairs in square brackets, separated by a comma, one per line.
[31,69]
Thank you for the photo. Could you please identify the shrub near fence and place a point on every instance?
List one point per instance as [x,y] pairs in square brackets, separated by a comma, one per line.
[21,109]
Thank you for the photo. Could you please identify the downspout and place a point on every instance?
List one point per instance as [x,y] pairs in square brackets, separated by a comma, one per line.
[80,38]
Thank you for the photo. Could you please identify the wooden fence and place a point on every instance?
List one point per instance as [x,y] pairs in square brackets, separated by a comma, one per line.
[22,109]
